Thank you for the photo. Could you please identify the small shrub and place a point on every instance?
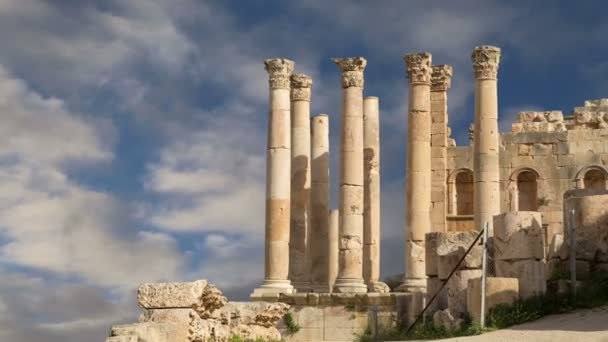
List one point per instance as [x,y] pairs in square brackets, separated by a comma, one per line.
[290,323]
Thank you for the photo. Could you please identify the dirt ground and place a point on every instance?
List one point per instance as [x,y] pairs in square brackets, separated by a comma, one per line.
[581,325]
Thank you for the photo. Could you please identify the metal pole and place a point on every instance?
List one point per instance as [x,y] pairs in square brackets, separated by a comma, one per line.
[484,271]
[572,253]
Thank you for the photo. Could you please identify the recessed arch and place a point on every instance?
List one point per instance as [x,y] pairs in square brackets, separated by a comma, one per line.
[592,177]
[461,192]
[523,189]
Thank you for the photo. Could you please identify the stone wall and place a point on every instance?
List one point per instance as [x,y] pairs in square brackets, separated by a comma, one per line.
[557,151]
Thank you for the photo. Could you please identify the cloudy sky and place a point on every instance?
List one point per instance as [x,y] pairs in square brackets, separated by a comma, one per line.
[132,133]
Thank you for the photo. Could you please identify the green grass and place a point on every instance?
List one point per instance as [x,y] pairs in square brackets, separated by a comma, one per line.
[592,292]
[290,323]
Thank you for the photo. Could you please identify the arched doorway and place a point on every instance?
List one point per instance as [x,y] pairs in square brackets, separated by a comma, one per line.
[461,192]
[592,177]
[527,191]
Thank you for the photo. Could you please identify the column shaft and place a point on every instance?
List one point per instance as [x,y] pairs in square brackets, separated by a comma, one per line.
[278,166]
[418,173]
[299,272]
[440,82]
[350,272]
[486,138]
[371,193]
[319,238]
[334,236]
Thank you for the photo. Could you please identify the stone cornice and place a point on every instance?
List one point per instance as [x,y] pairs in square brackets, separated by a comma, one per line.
[485,62]
[418,67]
[441,77]
[279,70]
[301,85]
[352,71]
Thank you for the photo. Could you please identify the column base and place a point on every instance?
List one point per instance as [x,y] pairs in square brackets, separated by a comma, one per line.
[378,287]
[270,288]
[349,285]
[320,288]
[301,286]
[412,285]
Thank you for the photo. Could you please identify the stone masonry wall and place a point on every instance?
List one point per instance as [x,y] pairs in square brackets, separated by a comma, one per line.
[557,150]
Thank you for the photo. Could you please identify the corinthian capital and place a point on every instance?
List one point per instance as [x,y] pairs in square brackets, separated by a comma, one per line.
[300,87]
[441,77]
[352,70]
[418,67]
[485,62]
[279,70]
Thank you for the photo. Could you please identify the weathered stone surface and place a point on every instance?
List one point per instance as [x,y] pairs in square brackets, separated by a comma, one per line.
[530,273]
[518,235]
[557,248]
[591,222]
[443,318]
[452,247]
[457,291]
[165,315]
[122,339]
[433,284]
[432,241]
[498,291]
[153,332]
[170,295]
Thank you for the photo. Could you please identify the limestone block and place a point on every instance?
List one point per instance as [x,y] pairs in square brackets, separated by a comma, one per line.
[561,286]
[432,242]
[166,315]
[415,267]
[153,332]
[530,273]
[433,284]
[498,291]
[171,295]
[557,248]
[122,339]
[452,247]
[443,318]
[591,222]
[457,291]
[518,235]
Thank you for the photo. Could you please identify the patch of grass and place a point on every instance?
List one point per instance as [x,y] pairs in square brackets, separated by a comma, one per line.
[592,292]
[290,323]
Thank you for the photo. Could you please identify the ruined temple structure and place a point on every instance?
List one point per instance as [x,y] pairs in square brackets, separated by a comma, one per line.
[323,265]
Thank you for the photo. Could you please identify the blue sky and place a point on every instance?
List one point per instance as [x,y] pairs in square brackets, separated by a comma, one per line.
[132,133]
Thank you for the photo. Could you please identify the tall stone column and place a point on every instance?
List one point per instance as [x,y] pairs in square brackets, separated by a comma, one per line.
[371,195]
[350,272]
[418,173]
[278,169]
[485,157]
[299,272]
[441,78]
[334,236]
[319,238]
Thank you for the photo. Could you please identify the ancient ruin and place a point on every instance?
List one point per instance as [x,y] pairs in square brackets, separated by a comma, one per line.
[537,187]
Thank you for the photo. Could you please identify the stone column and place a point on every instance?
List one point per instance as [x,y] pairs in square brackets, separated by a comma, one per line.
[332,255]
[371,195]
[299,272]
[441,78]
[278,169]
[486,139]
[350,272]
[418,173]
[319,239]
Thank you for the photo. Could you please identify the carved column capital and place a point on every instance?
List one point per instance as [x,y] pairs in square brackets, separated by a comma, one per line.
[352,70]
[300,87]
[418,67]
[441,77]
[485,62]
[279,70]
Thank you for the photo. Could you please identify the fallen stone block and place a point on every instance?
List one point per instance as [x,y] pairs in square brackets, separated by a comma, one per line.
[518,235]
[443,318]
[433,284]
[457,291]
[498,291]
